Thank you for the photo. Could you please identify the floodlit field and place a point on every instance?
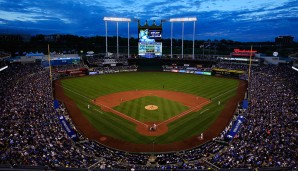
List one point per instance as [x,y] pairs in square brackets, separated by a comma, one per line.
[165,108]
[83,90]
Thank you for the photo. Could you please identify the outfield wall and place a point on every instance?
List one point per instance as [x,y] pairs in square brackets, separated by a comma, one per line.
[156,64]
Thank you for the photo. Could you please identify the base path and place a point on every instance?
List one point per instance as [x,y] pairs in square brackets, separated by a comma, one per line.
[194,103]
[88,130]
[112,100]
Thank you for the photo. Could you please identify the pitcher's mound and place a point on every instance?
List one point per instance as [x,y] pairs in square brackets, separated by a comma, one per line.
[151,107]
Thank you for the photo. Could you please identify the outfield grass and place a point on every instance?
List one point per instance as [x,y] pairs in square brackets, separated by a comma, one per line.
[83,89]
[136,108]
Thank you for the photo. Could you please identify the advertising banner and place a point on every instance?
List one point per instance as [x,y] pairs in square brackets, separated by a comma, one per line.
[67,128]
[235,128]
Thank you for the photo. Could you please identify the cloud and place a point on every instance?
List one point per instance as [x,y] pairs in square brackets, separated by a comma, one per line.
[16,16]
[229,19]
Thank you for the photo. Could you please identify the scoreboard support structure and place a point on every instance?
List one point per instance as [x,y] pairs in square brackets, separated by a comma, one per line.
[189,19]
[151,43]
[150,39]
[114,19]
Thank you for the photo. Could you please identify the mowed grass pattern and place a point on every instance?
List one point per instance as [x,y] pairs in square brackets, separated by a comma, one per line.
[136,108]
[83,89]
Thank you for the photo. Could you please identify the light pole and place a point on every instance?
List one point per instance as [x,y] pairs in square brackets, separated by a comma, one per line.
[115,19]
[117,40]
[171,40]
[193,40]
[189,19]
[106,25]
[128,39]
[182,55]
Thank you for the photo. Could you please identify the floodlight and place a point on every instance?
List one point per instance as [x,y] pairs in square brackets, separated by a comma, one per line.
[1,69]
[187,19]
[183,19]
[116,19]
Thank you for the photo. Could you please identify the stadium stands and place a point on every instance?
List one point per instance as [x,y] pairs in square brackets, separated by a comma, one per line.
[32,138]
[269,135]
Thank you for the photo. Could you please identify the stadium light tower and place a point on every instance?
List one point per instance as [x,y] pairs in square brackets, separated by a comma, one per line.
[3,68]
[114,19]
[188,19]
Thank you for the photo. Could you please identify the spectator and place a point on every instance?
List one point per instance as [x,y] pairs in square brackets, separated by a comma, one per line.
[30,132]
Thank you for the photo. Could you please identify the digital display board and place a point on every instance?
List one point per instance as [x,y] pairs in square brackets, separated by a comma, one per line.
[148,35]
[150,44]
[150,49]
[155,34]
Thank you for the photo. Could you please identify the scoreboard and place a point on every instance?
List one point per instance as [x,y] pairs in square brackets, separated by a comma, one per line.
[147,49]
[150,44]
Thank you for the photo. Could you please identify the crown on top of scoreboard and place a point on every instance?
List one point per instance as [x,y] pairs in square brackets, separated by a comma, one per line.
[153,26]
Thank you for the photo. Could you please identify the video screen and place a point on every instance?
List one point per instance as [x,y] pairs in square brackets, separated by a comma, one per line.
[147,35]
[150,49]
[155,34]
[150,44]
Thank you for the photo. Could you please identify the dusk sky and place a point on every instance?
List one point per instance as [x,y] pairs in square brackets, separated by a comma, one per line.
[239,20]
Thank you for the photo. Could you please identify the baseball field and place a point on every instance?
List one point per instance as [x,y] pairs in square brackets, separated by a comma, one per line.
[138,109]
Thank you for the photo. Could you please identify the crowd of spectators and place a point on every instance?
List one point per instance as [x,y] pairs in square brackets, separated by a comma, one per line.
[4,54]
[269,135]
[61,68]
[31,134]
[100,60]
[114,69]
[186,68]
[232,66]
[189,159]
[219,65]
[2,64]
[95,59]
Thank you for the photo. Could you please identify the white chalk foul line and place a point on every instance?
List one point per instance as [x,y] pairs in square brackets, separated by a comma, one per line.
[204,111]
[98,111]
[227,91]
[177,116]
[185,112]
[76,93]
[192,109]
[122,115]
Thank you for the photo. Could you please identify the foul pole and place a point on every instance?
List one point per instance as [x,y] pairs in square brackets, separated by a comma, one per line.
[249,67]
[49,58]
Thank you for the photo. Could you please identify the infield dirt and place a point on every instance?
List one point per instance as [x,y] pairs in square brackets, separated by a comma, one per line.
[195,103]
[83,125]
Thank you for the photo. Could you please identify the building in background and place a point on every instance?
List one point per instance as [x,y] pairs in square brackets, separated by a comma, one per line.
[284,40]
